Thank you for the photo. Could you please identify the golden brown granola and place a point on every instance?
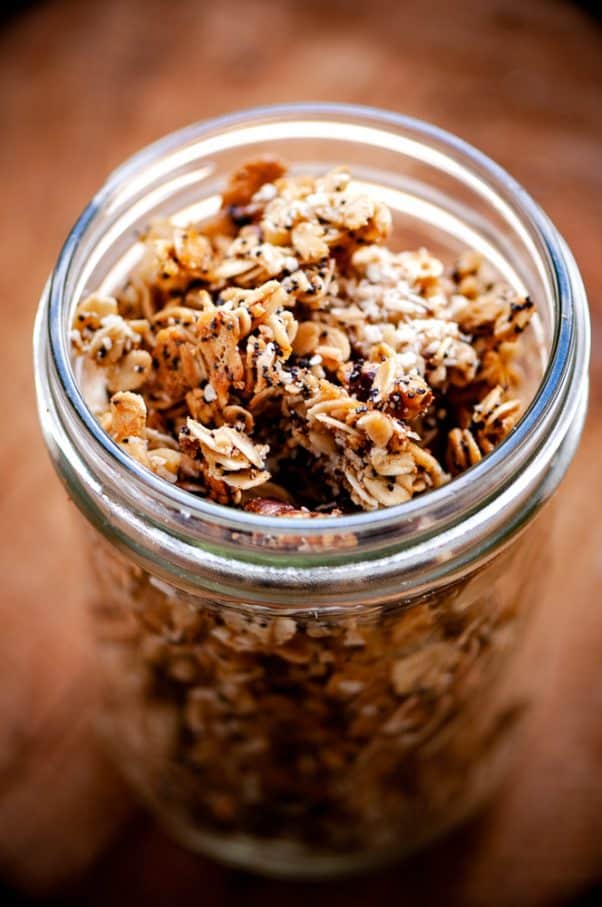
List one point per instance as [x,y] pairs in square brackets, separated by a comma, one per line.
[285,338]
[328,731]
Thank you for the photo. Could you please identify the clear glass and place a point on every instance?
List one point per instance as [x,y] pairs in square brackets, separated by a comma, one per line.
[310,697]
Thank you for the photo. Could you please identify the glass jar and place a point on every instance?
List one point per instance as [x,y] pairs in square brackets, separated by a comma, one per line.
[302,696]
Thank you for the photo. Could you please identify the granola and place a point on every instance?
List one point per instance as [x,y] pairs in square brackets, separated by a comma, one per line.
[285,339]
[308,735]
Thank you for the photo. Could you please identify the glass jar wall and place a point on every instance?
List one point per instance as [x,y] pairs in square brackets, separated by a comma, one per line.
[298,696]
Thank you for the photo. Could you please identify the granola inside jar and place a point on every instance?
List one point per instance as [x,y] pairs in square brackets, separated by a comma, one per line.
[313,578]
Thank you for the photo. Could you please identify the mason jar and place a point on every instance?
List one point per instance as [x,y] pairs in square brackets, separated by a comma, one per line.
[310,697]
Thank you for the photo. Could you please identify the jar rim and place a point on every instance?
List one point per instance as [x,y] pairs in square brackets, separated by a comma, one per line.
[423,510]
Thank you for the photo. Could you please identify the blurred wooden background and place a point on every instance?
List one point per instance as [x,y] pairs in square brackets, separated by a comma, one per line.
[82,85]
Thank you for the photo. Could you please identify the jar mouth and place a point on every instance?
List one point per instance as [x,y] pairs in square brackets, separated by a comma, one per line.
[432,510]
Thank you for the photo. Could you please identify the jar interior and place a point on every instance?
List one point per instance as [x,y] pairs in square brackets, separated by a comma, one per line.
[436,202]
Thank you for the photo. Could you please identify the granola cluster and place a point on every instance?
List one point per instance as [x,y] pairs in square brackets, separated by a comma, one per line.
[285,346]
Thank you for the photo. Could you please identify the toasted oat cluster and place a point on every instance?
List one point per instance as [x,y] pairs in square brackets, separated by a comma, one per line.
[282,358]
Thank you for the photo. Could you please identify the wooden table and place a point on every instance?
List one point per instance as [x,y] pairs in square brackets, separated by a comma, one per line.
[81,86]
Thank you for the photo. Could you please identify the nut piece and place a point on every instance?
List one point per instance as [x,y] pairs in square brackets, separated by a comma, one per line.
[128,416]
[274,507]
[244,182]
[131,372]
[165,462]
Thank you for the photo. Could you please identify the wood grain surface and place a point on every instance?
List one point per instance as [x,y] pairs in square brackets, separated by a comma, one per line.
[84,84]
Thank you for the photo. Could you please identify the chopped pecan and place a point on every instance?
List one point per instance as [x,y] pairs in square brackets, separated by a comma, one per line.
[244,182]
[273,507]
